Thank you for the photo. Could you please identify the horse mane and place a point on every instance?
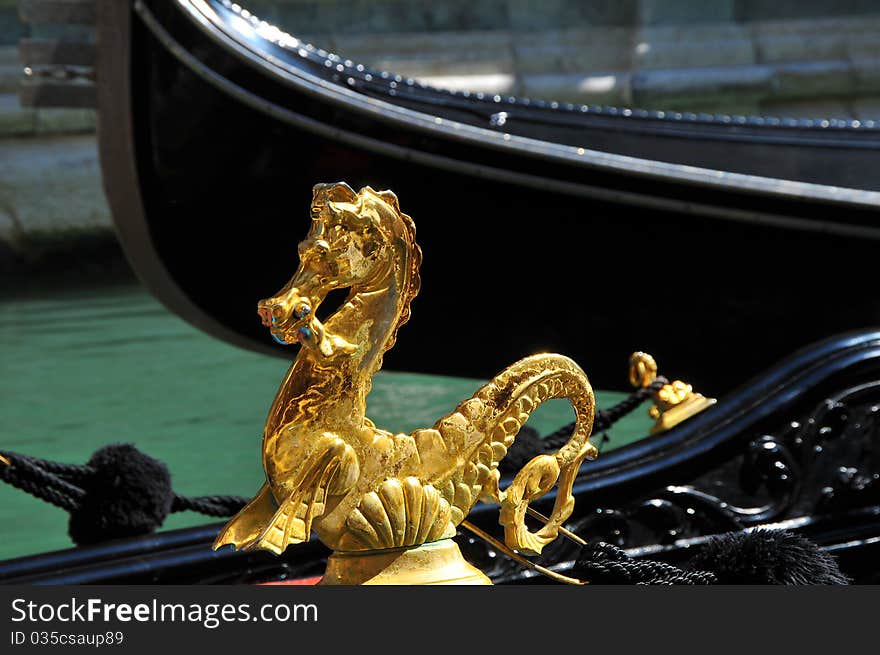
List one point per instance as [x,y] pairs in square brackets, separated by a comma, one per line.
[324,194]
[415,261]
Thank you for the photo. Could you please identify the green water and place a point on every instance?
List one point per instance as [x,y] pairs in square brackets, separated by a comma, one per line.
[79,370]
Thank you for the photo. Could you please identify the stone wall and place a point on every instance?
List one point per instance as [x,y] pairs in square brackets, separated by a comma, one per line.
[50,184]
[798,68]
[807,59]
[392,16]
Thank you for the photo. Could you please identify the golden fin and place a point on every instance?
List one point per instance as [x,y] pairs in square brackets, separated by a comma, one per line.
[331,468]
[246,526]
[284,529]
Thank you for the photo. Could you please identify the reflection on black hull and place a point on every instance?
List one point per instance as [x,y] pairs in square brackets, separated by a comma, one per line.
[718,274]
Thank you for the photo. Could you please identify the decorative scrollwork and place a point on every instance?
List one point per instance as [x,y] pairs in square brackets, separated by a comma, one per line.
[827,462]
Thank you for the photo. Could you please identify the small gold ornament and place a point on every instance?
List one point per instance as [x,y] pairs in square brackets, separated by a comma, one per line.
[675,401]
[389,504]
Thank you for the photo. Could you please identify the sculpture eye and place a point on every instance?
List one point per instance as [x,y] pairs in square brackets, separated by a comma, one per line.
[302,310]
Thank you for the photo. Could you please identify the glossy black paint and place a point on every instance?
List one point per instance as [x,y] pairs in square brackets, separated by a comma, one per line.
[544,254]
[825,151]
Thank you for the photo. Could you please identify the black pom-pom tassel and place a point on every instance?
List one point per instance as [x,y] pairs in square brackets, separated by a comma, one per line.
[767,557]
[127,494]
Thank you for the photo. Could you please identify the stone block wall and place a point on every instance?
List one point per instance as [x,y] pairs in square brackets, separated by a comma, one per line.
[814,58]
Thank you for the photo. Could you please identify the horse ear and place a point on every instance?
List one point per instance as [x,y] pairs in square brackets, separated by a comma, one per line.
[389,197]
[332,192]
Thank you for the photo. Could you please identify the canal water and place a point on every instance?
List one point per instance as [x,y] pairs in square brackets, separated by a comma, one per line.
[81,369]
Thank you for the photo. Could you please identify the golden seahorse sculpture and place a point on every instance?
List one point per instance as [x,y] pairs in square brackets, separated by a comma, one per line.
[363,490]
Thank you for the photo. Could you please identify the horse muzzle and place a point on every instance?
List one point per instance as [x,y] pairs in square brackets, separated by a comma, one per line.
[285,315]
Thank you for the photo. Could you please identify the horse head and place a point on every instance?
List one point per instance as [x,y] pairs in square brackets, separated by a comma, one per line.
[354,243]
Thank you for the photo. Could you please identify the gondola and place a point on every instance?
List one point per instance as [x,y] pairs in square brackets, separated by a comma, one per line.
[724,245]
[679,234]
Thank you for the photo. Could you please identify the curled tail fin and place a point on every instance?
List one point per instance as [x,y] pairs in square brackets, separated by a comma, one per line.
[463,449]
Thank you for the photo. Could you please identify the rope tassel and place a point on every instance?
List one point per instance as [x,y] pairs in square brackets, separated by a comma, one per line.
[120,492]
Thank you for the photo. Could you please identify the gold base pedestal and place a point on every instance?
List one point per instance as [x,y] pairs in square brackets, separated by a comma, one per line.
[439,562]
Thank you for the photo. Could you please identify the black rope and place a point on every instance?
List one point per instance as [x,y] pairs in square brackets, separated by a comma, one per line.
[606,418]
[44,479]
[63,485]
[123,492]
[24,473]
[72,472]
[219,506]
[598,563]
[604,563]
[528,444]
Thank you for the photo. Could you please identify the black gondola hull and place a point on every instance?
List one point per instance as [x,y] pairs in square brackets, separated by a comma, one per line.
[541,248]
